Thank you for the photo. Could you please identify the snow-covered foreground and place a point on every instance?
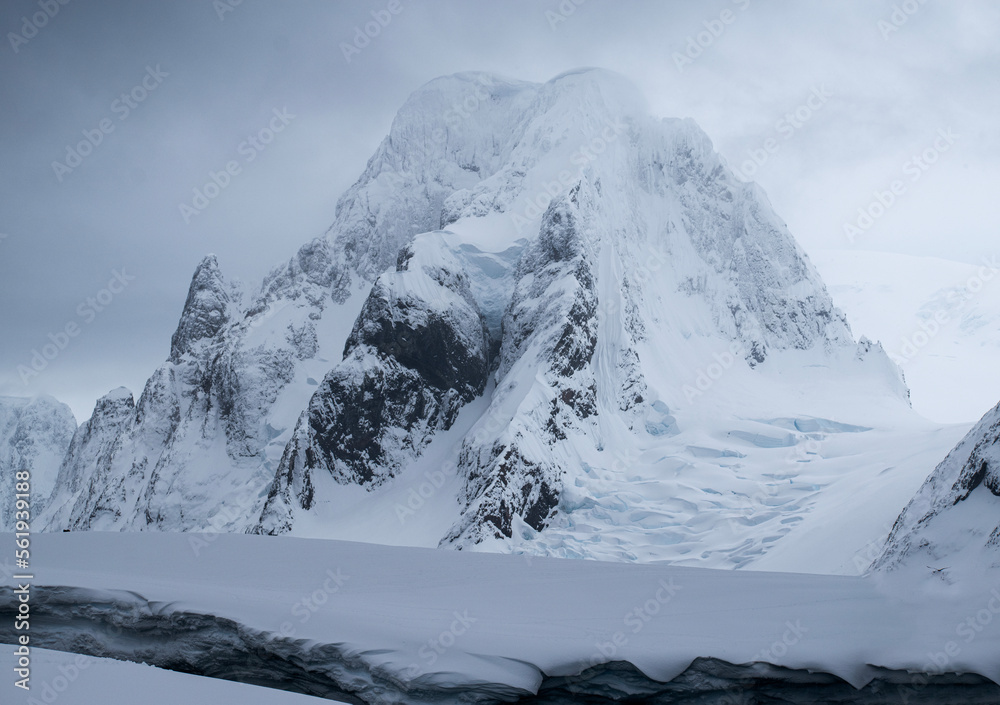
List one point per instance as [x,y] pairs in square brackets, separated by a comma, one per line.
[86,680]
[393,624]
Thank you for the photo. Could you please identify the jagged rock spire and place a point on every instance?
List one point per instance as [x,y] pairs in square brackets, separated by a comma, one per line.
[205,310]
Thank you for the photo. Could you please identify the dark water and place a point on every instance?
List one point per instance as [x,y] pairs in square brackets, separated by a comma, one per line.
[713,682]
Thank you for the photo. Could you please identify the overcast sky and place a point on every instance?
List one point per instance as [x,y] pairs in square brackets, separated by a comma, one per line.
[204,75]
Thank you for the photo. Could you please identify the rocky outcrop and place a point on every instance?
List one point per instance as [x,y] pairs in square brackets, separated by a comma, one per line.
[206,310]
[80,493]
[417,353]
[513,467]
[952,524]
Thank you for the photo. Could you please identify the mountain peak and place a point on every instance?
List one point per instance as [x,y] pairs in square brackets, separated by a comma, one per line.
[612,88]
[205,310]
[115,399]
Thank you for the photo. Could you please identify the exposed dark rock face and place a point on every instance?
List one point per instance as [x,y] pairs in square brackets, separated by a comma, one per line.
[150,466]
[418,352]
[546,285]
[512,467]
[403,319]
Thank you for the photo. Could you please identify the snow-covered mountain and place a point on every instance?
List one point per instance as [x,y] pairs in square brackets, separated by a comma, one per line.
[82,472]
[938,319]
[951,527]
[542,321]
[212,422]
[34,436]
[649,257]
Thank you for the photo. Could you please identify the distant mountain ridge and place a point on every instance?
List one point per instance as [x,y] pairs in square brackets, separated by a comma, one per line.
[34,437]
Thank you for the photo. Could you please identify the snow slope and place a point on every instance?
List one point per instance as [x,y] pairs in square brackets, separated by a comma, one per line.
[213,422]
[86,680]
[938,319]
[721,492]
[411,625]
[950,530]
